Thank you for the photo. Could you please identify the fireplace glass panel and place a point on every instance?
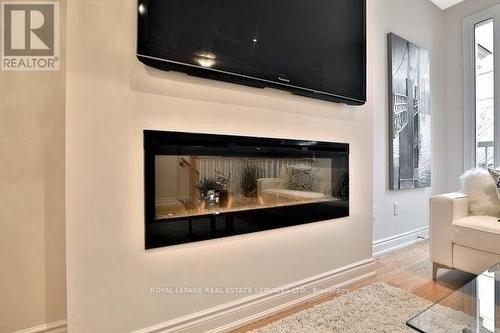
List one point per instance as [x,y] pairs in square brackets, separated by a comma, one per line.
[238,186]
[197,185]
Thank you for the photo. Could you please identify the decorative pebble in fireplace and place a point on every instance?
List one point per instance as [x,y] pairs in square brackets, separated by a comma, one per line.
[201,186]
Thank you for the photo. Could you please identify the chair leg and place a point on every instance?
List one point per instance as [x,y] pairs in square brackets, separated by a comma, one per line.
[435,267]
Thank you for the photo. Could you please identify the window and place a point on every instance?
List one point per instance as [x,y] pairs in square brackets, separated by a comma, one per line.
[482,111]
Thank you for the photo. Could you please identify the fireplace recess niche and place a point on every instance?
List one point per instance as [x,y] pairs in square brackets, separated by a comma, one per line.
[201,186]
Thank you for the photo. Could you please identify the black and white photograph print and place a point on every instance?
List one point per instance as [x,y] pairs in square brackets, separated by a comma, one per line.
[409,115]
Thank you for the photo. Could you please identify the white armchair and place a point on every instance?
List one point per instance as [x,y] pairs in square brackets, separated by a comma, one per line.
[460,240]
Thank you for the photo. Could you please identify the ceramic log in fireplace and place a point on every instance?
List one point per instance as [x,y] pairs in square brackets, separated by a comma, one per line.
[201,186]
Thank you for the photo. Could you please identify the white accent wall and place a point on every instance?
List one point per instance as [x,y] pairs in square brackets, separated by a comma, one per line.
[111,98]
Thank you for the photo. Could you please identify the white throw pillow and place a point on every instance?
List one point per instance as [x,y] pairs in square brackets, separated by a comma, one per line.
[480,187]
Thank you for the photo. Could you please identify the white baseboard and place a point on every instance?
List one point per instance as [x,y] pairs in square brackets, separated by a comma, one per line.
[399,241]
[60,326]
[236,314]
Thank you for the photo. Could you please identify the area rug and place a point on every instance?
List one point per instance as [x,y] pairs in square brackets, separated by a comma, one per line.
[375,308]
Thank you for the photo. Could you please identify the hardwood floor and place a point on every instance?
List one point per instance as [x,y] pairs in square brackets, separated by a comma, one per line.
[408,268]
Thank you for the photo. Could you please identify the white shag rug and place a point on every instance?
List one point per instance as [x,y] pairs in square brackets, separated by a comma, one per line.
[374,308]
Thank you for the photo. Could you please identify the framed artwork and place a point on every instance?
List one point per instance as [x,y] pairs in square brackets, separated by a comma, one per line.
[409,115]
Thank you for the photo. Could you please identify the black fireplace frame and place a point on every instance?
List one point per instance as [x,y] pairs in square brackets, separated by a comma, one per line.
[182,143]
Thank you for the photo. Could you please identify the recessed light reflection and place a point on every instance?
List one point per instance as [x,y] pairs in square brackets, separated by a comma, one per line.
[307,143]
[205,59]
[142,9]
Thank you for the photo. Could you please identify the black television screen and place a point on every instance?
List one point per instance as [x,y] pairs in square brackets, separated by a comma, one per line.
[314,48]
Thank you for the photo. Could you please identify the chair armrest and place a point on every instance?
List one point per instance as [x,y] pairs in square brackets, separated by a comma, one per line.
[444,209]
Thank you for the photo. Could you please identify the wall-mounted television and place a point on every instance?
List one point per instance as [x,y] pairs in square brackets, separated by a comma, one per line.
[315,48]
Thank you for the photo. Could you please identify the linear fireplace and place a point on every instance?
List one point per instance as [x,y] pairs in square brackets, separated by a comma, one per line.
[201,186]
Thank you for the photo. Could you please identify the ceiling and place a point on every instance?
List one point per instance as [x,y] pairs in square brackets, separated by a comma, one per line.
[443,4]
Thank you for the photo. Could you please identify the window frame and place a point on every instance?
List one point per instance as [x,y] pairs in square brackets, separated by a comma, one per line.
[469,56]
